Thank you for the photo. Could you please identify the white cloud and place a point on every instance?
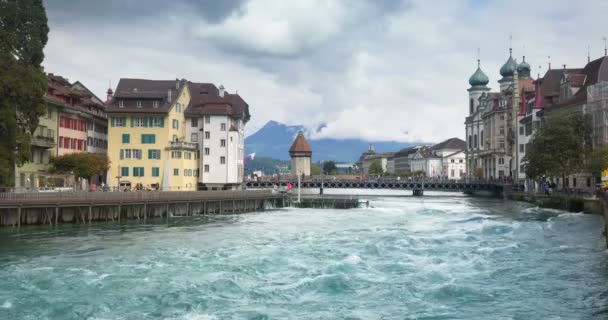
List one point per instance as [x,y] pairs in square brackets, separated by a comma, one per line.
[362,68]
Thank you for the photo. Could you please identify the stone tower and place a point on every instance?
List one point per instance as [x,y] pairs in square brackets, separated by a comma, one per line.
[300,153]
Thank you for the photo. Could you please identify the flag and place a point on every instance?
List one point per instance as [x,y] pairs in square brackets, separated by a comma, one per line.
[249,157]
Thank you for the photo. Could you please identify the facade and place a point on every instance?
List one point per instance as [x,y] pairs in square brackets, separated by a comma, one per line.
[300,153]
[147,136]
[96,122]
[215,122]
[439,160]
[386,159]
[492,124]
[403,158]
[62,130]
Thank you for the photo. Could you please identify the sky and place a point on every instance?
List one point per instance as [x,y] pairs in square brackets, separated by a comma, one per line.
[378,70]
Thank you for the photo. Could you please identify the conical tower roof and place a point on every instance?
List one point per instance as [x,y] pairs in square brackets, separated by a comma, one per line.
[300,146]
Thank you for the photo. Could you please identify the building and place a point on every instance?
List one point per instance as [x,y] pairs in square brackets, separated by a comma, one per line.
[493,121]
[300,153]
[147,136]
[215,121]
[62,130]
[403,157]
[386,160]
[439,160]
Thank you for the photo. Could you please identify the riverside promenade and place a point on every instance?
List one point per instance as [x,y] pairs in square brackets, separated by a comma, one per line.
[84,207]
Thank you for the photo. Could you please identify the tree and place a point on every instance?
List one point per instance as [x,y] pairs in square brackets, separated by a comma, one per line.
[315,170]
[559,148]
[478,173]
[329,167]
[23,35]
[82,165]
[375,168]
[597,160]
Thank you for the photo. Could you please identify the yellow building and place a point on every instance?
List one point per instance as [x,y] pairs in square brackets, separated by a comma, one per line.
[146,136]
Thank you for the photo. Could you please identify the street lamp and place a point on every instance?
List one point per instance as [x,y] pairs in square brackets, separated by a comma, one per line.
[322,175]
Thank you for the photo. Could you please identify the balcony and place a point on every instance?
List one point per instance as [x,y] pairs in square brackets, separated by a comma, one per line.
[182,145]
[43,141]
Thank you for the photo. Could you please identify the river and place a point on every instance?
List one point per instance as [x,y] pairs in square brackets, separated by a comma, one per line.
[448,257]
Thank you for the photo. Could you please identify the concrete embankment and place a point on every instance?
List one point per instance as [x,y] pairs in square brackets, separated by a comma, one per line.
[561,202]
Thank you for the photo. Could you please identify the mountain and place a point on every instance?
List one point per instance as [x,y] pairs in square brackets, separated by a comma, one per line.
[274,139]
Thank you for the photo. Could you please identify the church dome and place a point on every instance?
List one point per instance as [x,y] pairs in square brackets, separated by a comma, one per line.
[479,78]
[523,69]
[508,69]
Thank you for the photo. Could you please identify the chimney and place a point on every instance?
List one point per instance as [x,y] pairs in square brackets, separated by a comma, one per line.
[169,96]
[221,90]
[176,84]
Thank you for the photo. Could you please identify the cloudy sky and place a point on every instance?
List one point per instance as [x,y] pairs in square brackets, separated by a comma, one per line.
[381,70]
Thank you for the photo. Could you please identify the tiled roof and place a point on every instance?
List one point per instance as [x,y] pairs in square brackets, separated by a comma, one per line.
[595,71]
[300,145]
[452,143]
[146,91]
[205,99]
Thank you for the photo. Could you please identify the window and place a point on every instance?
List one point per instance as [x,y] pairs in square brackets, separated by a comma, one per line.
[148,138]
[73,144]
[521,131]
[176,154]
[522,148]
[156,122]
[223,127]
[194,122]
[60,142]
[155,171]
[522,168]
[155,104]
[176,172]
[138,171]
[452,161]
[206,168]
[178,107]
[187,155]
[471,106]
[188,172]
[119,121]
[588,182]
[574,182]
[222,160]
[174,139]
[138,122]
[175,124]
[197,155]
[194,137]
[502,131]
[126,138]
[121,104]
[207,119]
[196,172]
[139,106]
[461,161]
[501,161]
[206,151]
[223,143]
[207,135]
[154,154]
[130,154]
[452,173]
[124,171]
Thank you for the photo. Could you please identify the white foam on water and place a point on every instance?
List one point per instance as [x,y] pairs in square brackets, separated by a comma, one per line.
[6,305]
[353,259]
[196,316]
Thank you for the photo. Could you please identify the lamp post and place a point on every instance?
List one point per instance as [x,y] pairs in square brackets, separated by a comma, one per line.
[322,176]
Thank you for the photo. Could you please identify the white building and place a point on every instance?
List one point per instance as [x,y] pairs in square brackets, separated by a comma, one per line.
[439,160]
[215,121]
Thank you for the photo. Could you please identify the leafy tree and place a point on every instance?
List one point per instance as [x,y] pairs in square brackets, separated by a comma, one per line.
[330,167]
[23,35]
[597,160]
[478,173]
[82,165]
[315,170]
[375,168]
[559,148]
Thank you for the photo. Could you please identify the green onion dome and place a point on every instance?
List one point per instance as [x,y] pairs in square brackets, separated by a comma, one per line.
[523,69]
[508,69]
[479,78]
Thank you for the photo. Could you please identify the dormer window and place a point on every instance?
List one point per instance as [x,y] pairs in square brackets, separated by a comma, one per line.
[121,104]
[155,104]
[139,103]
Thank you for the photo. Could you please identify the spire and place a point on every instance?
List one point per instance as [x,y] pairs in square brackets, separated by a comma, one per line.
[510,45]
[549,59]
[605,47]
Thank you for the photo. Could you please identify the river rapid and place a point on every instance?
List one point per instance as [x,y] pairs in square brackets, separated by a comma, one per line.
[434,257]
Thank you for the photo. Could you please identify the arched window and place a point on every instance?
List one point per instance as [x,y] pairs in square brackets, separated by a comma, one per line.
[470,142]
[475,138]
[471,106]
[481,138]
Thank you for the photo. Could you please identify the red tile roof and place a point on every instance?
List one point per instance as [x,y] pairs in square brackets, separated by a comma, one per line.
[300,145]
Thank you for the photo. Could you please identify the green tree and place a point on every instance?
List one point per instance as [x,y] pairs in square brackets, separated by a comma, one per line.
[329,167]
[478,173]
[23,35]
[375,168]
[82,165]
[597,160]
[315,170]
[559,148]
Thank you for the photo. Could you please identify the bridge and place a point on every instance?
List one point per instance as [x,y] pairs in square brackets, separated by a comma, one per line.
[417,186]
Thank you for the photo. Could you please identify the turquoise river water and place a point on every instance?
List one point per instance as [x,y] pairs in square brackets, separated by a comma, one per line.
[447,257]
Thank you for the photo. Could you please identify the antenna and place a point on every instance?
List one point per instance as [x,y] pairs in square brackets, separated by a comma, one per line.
[605,47]
[510,44]
[478,59]
[549,59]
